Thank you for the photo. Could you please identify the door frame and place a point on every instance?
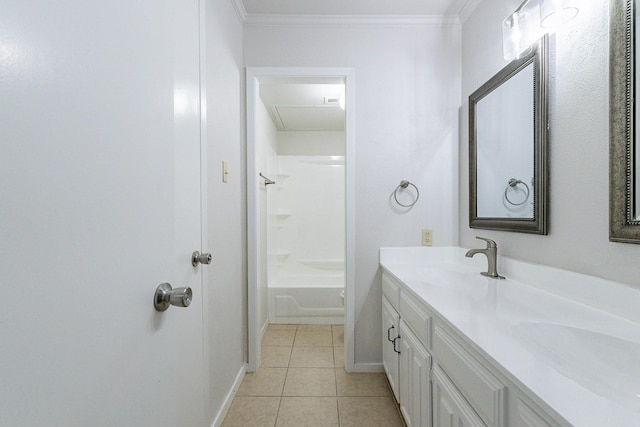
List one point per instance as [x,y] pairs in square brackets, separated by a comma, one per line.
[255,330]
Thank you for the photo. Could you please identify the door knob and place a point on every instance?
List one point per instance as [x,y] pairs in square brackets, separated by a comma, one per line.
[165,296]
[198,258]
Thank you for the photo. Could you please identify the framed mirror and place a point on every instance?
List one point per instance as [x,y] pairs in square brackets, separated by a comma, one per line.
[624,176]
[508,126]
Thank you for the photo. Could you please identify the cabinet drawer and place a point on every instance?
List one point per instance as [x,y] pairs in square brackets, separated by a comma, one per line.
[391,290]
[416,317]
[481,388]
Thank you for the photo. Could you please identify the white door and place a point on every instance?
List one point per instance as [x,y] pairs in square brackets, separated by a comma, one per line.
[415,385]
[99,204]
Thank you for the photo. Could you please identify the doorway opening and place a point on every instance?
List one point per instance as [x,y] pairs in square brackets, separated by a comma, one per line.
[300,183]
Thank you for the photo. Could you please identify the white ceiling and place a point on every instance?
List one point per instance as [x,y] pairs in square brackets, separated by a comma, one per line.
[304,106]
[354,7]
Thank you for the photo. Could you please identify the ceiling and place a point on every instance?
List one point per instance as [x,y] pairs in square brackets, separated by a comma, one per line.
[354,7]
[304,105]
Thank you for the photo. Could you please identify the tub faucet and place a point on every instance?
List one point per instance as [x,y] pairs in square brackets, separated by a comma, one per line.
[492,254]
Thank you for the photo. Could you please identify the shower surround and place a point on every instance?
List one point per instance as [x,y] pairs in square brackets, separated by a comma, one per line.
[306,240]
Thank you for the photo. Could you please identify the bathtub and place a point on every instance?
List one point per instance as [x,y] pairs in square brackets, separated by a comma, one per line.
[307,299]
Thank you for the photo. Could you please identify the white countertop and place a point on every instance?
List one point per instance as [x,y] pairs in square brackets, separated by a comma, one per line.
[554,333]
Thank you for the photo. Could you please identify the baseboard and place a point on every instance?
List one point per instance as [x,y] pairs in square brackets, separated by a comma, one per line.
[263,330]
[368,367]
[217,421]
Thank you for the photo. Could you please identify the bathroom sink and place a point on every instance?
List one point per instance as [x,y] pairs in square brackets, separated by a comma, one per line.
[607,365]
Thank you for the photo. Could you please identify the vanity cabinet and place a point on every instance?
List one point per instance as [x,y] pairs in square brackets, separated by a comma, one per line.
[406,359]
[438,379]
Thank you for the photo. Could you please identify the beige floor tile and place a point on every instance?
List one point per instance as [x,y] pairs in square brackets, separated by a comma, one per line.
[265,382]
[338,357]
[310,382]
[368,412]
[314,327]
[308,412]
[275,357]
[281,337]
[314,336]
[338,334]
[361,384]
[252,411]
[312,357]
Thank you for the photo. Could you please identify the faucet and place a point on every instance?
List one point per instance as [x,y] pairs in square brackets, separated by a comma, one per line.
[492,254]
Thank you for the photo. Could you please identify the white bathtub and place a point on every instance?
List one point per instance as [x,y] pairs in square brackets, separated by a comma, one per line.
[307,299]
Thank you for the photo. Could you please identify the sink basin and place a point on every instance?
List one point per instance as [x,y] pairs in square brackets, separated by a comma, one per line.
[608,366]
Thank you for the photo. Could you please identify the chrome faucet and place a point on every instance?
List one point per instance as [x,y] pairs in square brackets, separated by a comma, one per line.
[492,254]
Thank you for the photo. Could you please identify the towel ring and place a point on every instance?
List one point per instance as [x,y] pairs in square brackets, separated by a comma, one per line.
[403,185]
[513,184]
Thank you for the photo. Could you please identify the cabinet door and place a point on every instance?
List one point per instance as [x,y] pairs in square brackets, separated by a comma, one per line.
[390,329]
[415,388]
[450,409]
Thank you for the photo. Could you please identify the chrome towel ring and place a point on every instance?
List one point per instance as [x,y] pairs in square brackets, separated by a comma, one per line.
[513,185]
[403,185]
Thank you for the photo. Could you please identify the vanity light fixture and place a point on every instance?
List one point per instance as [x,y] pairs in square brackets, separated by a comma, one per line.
[530,21]
[555,13]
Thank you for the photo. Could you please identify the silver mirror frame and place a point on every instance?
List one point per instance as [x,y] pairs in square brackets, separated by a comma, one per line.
[539,56]
[623,226]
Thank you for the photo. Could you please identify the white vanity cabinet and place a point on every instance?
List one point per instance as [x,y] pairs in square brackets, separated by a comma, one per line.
[438,379]
[406,360]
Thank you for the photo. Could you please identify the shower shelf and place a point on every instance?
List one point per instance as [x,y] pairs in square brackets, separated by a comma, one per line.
[282,215]
[281,256]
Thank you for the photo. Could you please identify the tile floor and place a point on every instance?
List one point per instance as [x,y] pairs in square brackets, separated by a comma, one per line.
[302,382]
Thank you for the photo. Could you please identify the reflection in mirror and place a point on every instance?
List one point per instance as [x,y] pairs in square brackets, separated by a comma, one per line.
[508,147]
[624,176]
[504,123]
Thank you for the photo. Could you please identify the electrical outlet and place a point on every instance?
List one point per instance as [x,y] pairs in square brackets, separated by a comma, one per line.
[427,237]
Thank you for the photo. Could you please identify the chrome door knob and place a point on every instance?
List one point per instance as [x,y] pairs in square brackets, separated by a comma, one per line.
[165,296]
[198,258]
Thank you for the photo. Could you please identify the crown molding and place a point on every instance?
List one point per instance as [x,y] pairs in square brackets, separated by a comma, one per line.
[267,20]
[238,6]
[468,9]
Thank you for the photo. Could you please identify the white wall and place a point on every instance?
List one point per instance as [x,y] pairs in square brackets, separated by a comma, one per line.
[406,103]
[311,143]
[579,142]
[226,277]
[266,142]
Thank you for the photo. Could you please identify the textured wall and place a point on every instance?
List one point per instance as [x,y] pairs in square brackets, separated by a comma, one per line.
[579,180]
